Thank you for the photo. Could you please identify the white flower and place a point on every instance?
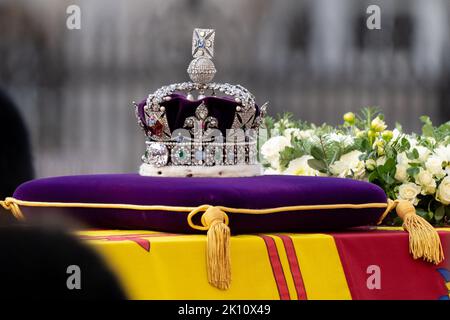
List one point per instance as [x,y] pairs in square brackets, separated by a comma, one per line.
[292,133]
[431,140]
[349,165]
[271,149]
[281,124]
[341,138]
[379,145]
[300,167]
[412,142]
[381,161]
[297,133]
[371,164]
[396,133]
[305,134]
[378,125]
[409,191]
[425,179]
[447,170]
[424,153]
[400,173]
[443,153]
[401,167]
[434,166]
[402,159]
[443,191]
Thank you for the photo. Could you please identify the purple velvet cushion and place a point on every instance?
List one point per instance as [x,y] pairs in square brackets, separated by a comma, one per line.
[251,192]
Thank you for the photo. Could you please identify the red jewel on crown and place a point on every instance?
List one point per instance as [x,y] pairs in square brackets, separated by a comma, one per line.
[155,126]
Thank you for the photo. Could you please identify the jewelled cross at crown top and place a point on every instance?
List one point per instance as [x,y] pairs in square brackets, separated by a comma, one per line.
[203,43]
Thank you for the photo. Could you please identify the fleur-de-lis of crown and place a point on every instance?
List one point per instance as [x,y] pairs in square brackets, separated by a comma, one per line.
[200,124]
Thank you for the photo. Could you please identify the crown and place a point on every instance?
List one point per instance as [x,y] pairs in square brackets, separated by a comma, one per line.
[212,134]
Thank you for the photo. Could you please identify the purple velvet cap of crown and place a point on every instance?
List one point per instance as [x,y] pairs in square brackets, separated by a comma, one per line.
[179,108]
[251,192]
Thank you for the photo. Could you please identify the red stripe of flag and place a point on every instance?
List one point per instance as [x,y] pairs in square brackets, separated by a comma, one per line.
[277,268]
[294,266]
[135,237]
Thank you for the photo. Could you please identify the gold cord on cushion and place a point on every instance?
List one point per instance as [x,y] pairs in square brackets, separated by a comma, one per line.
[424,241]
[11,205]
[390,206]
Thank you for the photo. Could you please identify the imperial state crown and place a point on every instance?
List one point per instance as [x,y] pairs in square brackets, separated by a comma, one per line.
[200,128]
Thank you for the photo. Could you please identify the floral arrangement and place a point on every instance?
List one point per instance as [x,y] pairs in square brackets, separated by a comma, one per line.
[413,167]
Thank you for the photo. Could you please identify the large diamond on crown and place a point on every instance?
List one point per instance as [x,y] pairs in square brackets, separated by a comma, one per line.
[156,154]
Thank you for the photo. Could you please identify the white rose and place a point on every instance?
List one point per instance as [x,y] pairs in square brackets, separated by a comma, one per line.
[349,165]
[409,191]
[271,149]
[300,167]
[434,166]
[443,191]
[425,180]
[400,173]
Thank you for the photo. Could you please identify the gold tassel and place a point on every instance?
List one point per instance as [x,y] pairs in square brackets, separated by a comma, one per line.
[218,260]
[424,241]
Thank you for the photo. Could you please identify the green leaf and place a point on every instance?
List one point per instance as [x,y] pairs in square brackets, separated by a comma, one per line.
[425,120]
[389,165]
[373,176]
[427,128]
[398,221]
[405,145]
[288,154]
[421,212]
[413,171]
[439,213]
[319,165]
[413,155]
[389,179]
[317,153]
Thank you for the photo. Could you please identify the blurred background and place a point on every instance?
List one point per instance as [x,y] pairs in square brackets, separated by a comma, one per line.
[314,58]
